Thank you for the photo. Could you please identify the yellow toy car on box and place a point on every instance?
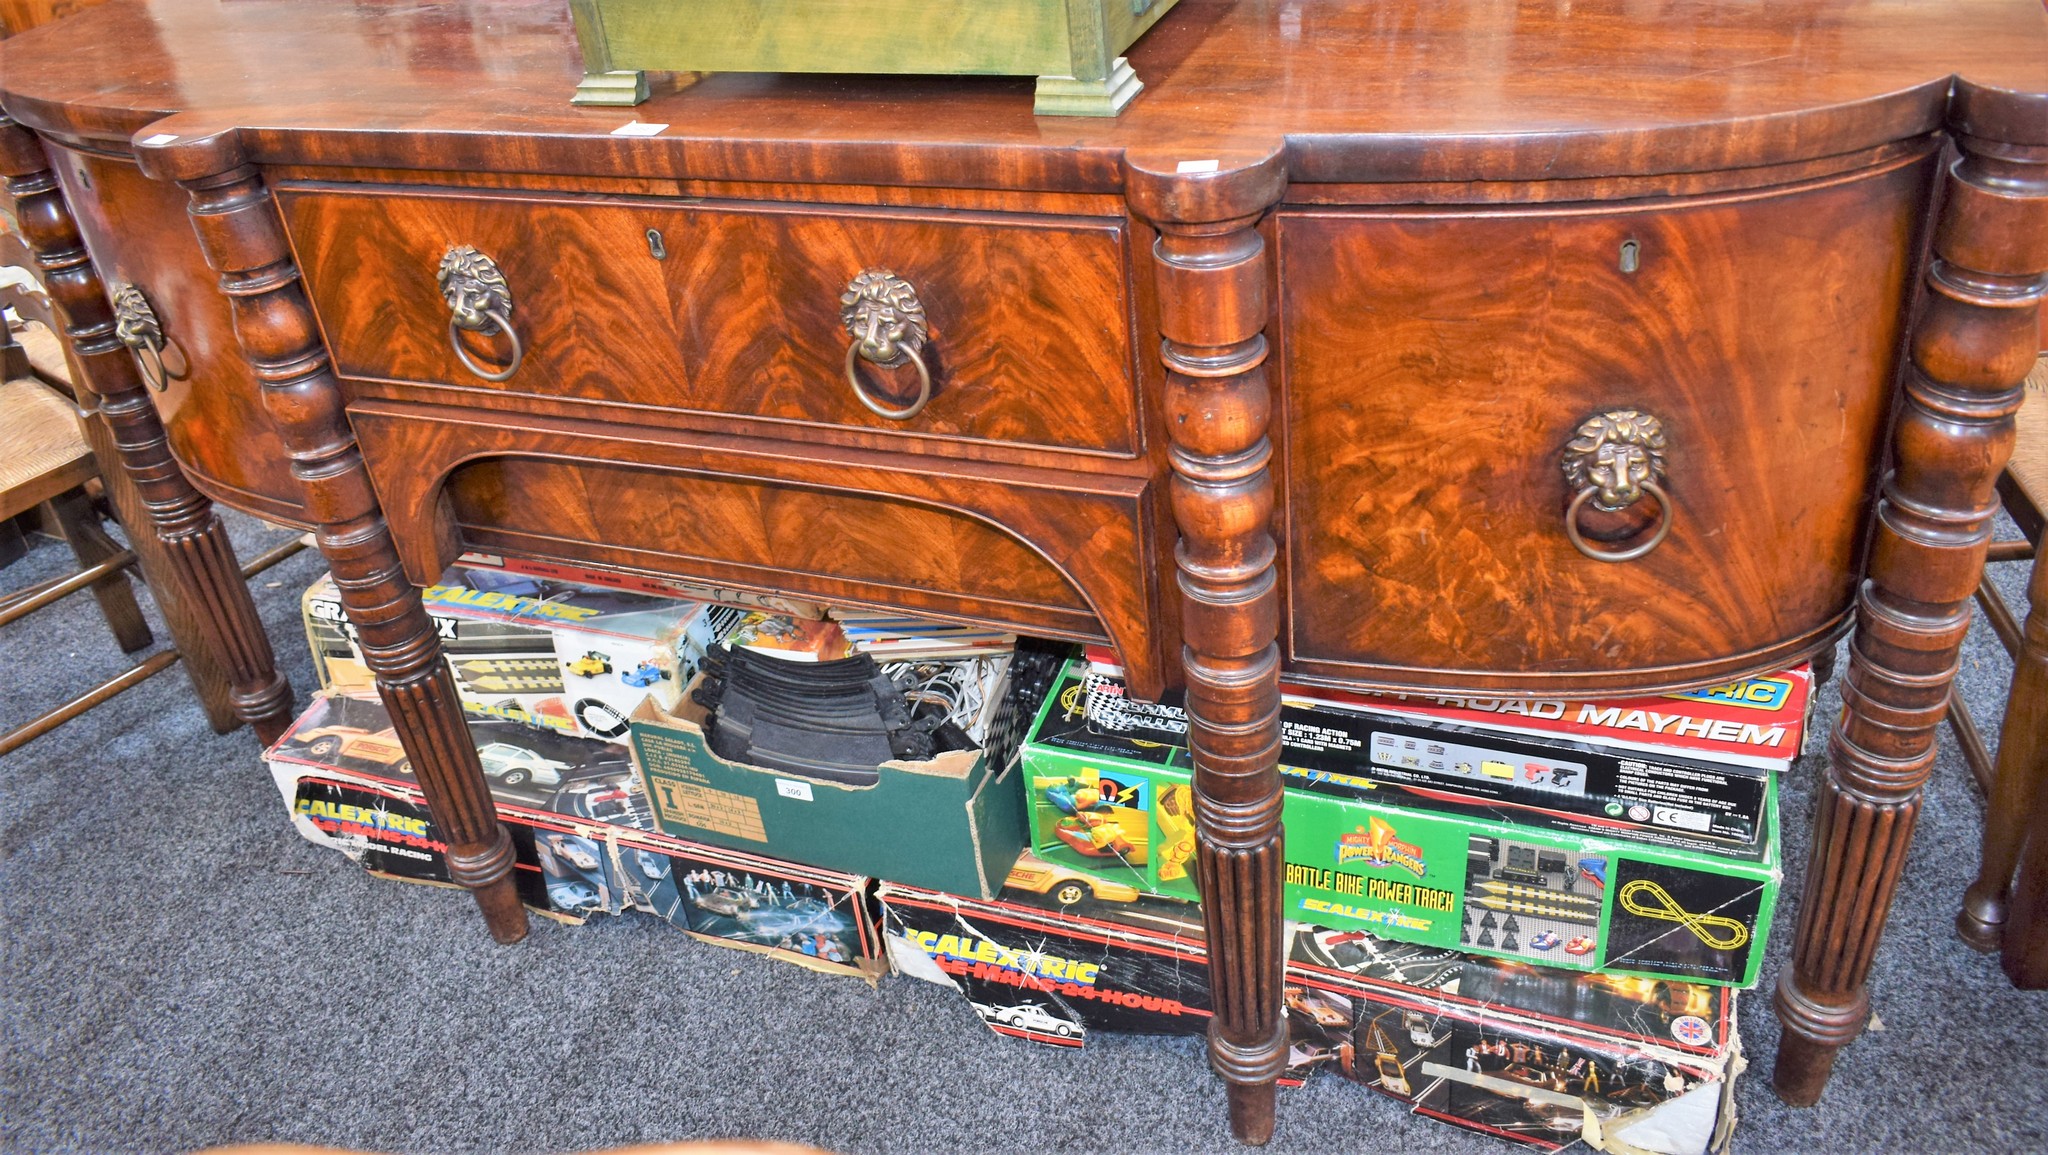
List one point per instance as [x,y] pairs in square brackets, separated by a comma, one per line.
[350,742]
[1066,886]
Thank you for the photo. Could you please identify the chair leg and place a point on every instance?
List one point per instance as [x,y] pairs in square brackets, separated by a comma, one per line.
[1971,742]
[2023,947]
[2017,778]
[1824,667]
[89,543]
[13,543]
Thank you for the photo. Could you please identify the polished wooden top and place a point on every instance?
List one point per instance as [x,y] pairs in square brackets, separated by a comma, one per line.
[1395,90]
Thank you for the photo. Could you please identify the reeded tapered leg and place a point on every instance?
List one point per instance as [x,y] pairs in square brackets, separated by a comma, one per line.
[199,655]
[243,239]
[1972,345]
[196,544]
[1212,272]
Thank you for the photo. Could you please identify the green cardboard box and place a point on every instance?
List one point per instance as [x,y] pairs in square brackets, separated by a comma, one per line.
[953,823]
[1117,809]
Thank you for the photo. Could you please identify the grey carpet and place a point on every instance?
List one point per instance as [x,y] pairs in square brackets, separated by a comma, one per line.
[179,969]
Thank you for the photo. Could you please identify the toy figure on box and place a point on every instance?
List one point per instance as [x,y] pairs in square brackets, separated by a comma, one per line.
[1071,795]
[1099,818]
[1098,837]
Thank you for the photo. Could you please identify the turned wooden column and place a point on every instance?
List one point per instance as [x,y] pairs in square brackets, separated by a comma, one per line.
[1211,268]
[1971,346]
[196,546]
[244,241]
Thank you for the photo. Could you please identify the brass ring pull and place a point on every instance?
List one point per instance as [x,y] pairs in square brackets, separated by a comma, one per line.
[498,323]
[1571,525]
[882,314]
[151,363]
[136,326]
[1612,461]
[924,387]
[479,301]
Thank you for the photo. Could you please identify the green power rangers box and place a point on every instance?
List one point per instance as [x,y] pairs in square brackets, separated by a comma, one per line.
[1117,805]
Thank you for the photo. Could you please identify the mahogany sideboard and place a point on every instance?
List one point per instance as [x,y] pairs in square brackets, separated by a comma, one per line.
[1563,347]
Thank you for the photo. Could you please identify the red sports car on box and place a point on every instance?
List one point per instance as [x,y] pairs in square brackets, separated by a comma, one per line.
[1580,944]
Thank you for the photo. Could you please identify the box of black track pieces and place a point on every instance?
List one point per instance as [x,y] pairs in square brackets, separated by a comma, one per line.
[582,830]
[894,762]
[1534,1054]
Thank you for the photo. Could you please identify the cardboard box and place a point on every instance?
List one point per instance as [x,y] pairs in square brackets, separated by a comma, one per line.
[1533,1054]
[535,770]
[1035,968]
[654,585]
[554,655]
[1761,723]
[585,844]
[955,822]
[1648,1062]
[1461,874]
[1554,782]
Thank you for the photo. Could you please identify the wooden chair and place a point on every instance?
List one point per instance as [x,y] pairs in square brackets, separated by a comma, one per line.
[2006,908]
[46,461]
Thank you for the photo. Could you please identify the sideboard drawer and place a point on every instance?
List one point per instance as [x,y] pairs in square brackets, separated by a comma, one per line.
[736,308]
[1060,553]
[1438,365]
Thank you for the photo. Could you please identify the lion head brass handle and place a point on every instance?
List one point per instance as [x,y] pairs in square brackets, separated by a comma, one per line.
[136,326]
[886,321]
[481,302]
[1613,460]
